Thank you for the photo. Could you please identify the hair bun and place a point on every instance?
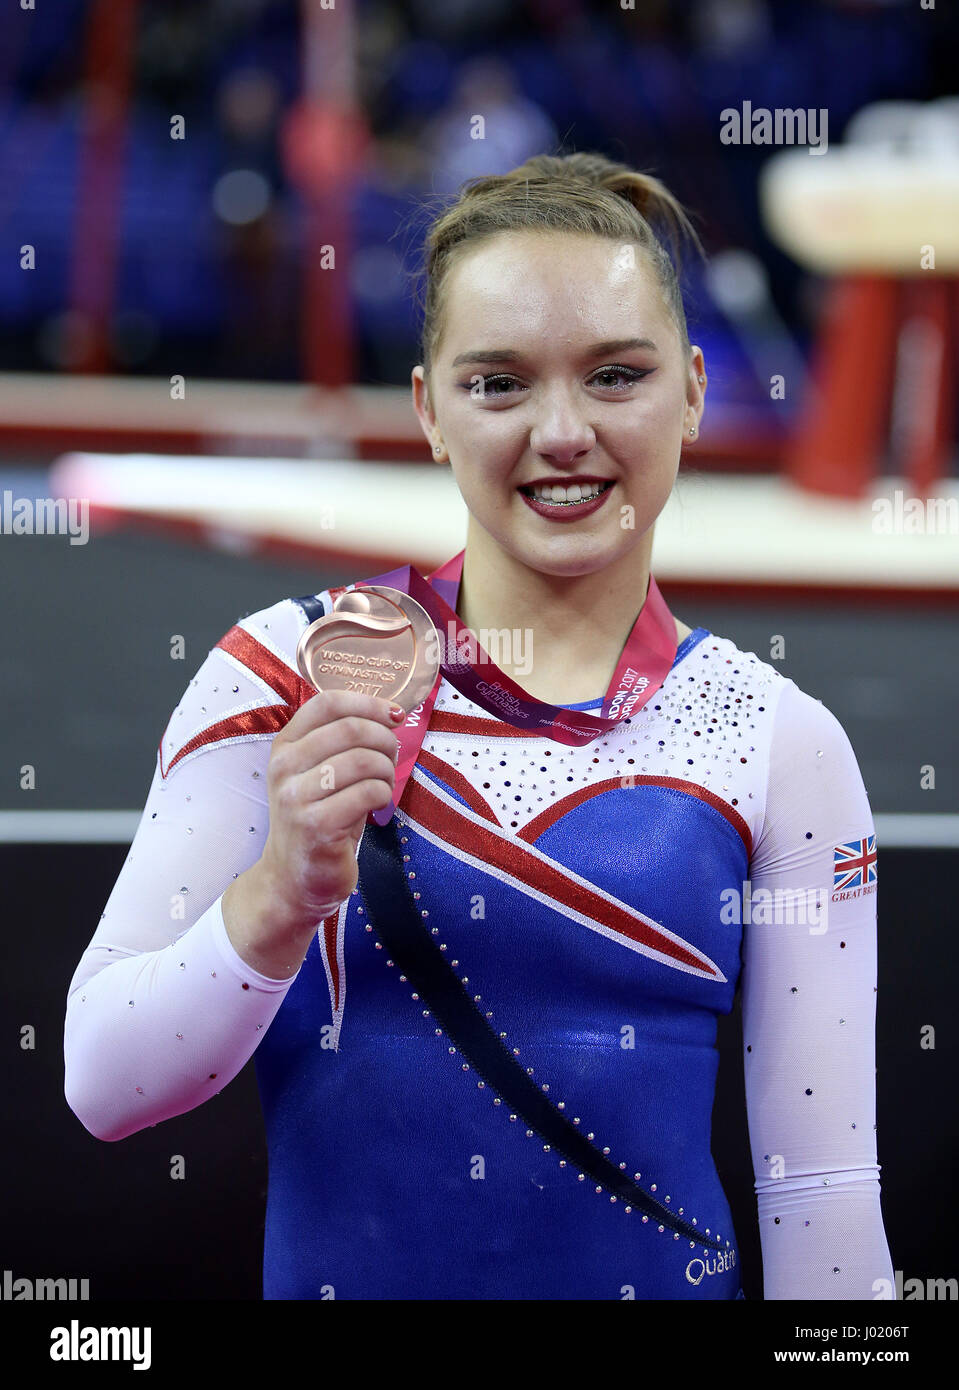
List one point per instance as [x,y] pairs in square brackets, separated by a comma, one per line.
[582,193]
[645,192]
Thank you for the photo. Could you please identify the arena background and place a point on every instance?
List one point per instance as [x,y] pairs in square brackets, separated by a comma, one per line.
[294,461]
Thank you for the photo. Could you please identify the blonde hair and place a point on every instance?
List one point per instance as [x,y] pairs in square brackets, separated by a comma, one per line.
[585,194]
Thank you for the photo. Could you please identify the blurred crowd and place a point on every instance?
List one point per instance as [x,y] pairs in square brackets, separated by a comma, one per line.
[212,228]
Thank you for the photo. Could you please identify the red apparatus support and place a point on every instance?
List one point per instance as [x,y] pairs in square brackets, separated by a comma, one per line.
[111,33]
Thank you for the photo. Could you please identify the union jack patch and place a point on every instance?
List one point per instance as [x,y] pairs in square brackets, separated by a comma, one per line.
[854,863]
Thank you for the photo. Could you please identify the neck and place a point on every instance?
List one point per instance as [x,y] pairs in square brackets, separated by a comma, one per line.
[572,628]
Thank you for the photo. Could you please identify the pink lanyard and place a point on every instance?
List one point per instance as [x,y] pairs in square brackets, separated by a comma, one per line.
[644,663]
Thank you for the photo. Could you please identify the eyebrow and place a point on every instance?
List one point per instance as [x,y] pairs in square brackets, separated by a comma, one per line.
[511,355]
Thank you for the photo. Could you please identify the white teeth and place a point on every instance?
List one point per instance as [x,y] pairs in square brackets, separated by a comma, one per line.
[576,492]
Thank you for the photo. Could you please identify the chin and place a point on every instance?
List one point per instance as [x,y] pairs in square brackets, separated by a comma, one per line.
[569,556]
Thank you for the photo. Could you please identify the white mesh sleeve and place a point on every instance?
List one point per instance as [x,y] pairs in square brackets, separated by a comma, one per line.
[162,1012]
[809,1008]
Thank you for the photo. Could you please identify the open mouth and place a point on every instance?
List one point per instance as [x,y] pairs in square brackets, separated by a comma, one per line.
[554,495]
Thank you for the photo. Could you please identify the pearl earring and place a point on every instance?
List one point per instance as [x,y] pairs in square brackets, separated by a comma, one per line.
[702,378]
[692,431]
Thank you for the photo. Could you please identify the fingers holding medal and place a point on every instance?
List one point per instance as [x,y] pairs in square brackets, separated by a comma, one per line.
[335,761]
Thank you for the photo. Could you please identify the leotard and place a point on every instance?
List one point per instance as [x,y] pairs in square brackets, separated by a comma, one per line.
[595,900]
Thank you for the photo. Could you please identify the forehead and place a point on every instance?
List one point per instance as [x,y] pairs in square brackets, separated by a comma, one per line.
[529,283]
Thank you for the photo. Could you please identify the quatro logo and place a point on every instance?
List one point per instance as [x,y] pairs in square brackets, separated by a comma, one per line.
[697,1269]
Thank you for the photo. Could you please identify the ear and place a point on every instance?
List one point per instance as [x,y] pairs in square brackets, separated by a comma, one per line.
[425,414]
[695,389]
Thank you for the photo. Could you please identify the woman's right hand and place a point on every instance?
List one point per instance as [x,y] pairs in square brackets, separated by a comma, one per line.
[333,763]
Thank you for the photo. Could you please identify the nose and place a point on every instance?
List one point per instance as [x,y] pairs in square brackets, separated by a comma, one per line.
[561,430]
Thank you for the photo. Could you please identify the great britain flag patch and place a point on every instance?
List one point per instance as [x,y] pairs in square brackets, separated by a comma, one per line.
[854,863]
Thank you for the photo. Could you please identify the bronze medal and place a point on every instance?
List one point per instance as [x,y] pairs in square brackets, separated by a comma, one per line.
[376,641]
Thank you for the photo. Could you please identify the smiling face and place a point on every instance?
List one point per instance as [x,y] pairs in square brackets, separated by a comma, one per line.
[526,386]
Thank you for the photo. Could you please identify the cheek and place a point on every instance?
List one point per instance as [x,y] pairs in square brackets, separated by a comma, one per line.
[476,477]
[483,428]
[663,407]
[645,442]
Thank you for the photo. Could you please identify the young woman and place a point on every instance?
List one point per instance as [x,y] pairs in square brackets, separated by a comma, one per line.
[597,900]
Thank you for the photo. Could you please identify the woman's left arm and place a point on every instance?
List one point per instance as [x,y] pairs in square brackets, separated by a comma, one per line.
[809,1014]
